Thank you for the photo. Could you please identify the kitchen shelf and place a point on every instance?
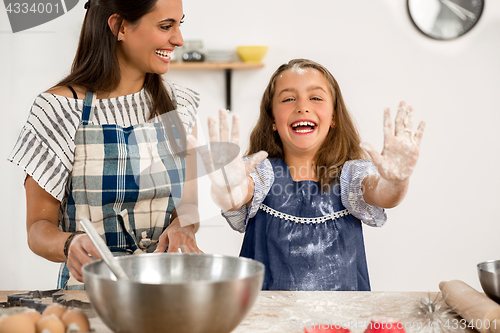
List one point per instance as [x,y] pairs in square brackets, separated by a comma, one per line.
[216,65]
[226,66]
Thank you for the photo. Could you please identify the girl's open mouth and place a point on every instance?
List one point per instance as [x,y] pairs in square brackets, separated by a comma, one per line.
[303,126]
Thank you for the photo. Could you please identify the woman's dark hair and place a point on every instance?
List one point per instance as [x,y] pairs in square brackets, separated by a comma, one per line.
[96,67]
[341,143]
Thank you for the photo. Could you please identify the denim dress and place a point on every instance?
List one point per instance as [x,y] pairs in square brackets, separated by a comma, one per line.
[308,240]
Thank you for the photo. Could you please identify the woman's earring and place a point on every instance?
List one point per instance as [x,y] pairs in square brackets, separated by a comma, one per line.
[274,127]
[119,38]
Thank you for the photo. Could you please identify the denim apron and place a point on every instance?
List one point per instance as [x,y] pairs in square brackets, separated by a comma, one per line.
[306,240]
[126,181]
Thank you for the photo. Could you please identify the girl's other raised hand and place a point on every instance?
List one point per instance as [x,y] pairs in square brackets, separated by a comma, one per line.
[401,146]
[227,171]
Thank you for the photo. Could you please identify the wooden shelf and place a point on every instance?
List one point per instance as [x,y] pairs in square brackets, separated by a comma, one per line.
[226,66]
[215,65]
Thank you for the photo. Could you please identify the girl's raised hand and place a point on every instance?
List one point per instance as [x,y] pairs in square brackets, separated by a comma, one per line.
[401,146]
[227,171]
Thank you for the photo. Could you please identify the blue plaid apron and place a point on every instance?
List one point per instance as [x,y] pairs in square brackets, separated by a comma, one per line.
[126,181]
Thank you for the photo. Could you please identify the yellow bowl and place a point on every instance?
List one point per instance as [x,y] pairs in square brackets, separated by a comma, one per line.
[251,53]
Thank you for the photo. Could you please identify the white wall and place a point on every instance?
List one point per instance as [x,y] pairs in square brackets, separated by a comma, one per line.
[447,224]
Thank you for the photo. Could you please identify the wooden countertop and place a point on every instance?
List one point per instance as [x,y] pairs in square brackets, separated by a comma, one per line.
[291,311]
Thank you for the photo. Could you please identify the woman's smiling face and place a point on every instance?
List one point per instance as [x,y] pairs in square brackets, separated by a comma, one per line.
[147,47]
[302,110]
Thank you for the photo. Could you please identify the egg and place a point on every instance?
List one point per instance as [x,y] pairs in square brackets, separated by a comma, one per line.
[17,323]
[50,324]
[33,314]
[76,321]
[56,309]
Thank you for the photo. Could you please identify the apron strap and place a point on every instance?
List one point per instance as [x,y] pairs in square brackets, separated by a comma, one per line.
[88,106]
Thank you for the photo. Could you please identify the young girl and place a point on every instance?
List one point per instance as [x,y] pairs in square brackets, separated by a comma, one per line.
[301,208]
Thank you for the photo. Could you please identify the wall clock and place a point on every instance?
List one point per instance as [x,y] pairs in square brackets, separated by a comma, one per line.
[445,19]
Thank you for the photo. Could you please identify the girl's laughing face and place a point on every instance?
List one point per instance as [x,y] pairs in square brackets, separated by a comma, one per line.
[302,110]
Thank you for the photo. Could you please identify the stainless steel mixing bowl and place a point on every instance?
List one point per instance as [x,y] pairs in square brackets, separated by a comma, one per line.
[489,276]
[178,292]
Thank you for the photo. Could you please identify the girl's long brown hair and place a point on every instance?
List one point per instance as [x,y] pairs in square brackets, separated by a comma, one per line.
[340,145]
[96,67]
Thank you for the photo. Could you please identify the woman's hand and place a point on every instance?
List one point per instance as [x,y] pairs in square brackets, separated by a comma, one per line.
[226,170]
[177,237]
[401,147]
[79,252]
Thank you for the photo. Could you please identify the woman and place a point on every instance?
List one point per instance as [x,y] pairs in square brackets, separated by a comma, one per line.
[107,143]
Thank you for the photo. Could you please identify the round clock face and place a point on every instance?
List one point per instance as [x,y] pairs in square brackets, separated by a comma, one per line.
[445,19]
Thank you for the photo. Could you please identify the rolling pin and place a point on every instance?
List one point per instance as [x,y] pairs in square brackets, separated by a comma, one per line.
[472,305]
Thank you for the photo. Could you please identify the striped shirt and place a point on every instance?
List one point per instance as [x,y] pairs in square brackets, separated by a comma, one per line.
[45,148]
